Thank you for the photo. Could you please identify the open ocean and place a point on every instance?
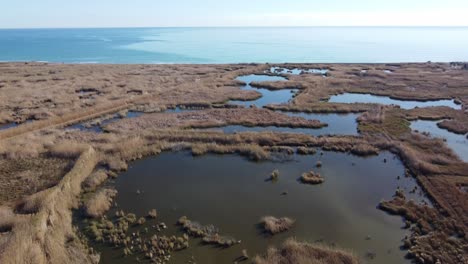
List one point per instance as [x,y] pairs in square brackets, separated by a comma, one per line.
[236,45]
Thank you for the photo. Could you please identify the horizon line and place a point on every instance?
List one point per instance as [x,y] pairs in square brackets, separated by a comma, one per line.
[330,26]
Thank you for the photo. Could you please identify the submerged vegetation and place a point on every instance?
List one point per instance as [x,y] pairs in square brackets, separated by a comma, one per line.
[115,232]
[209,233]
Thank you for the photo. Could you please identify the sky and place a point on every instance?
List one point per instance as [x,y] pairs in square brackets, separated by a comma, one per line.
[214,13]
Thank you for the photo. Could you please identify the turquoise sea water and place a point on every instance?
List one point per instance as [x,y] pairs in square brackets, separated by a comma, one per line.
[235,45]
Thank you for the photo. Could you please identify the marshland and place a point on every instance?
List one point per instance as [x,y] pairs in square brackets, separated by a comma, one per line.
[213,163]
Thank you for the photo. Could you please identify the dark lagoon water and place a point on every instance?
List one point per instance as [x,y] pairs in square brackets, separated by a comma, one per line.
[234,45]
[233,194]
[374,99]
[458,143]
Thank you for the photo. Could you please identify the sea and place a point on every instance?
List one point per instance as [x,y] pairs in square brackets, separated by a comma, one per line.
[236,45]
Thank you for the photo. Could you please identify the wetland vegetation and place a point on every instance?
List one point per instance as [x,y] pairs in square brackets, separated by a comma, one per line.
[153,171]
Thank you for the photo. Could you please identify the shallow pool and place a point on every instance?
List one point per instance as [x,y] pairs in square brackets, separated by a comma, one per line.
[268,96]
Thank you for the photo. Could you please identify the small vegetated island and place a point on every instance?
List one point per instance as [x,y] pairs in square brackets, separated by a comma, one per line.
[69,132]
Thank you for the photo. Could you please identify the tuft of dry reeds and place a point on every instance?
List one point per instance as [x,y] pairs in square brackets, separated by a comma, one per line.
[152,213]
[94,180]
[275,225]
[306,151]
[312,178]
[99,203]
[274,175]
[67,149]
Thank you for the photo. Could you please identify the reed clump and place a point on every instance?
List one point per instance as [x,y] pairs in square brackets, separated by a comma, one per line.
[153,214]
[99,203]
[274,176]
[306,151]
[94,180]
[275,225]
[312,178]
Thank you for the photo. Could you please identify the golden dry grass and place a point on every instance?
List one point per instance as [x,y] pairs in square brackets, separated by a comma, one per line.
[20,177]
[99,203]
[47,236]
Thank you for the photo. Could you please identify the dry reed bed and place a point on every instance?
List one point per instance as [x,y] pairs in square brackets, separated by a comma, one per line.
[77,88]
[20,177]
[296,252]
[62,121]
[429,160]
[212,118]
[74,88]
[42,225]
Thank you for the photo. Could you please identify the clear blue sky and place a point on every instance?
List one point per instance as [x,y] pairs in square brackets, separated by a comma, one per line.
[147,13]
